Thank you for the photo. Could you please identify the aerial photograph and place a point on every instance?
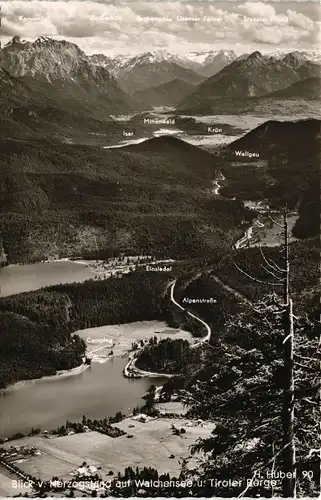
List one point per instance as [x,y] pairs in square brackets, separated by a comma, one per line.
[160,248]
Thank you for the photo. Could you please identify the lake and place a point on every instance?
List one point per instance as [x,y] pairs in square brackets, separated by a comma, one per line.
[24,278]
[100,391]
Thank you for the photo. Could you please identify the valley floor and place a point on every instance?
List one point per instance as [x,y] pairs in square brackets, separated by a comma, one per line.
[62,456]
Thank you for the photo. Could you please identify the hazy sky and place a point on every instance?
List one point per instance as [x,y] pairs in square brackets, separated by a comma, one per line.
[125,27]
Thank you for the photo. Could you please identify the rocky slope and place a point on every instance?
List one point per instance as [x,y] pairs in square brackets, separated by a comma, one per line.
[63,72]
[29,112]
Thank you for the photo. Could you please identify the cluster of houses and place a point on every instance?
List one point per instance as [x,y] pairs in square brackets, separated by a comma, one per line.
[17,454]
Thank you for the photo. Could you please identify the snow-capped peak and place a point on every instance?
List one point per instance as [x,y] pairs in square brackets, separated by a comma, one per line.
[163,55]
[208,57]
[157,56]
[308,55]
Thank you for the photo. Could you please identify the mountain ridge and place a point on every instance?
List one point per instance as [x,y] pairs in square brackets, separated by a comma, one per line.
[142,74]
[62,69]
[198,61]
[254,76]
[165,94]
[309,88]
[265,138]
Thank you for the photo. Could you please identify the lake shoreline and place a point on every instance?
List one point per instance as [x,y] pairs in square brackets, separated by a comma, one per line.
[87,383]
[60,374]
[79,369]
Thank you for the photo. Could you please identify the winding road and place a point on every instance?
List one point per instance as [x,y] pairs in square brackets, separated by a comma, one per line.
[217,186]
[203,339]
[131,371]
[248,235]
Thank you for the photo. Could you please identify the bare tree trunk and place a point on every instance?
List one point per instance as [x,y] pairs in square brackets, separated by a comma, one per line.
[288,409]
[288,450]
[286,260]
[289,466]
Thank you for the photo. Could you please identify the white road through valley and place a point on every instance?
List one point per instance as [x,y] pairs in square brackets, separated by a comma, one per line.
[203,339]
[131,370]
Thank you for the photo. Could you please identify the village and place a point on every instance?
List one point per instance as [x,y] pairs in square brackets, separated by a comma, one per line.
[117,267]
[82,460]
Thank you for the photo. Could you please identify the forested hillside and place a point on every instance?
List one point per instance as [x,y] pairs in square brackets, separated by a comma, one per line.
[241,382]
[36,327]
[240,387]
[286,171]
[156,197]
[168,356]
[234,291]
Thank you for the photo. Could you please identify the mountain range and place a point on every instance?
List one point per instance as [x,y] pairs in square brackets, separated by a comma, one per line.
[29,112]
[224,75]
[147,71]
[256,75]
[312,55]
[205,63]
[51,88]
[62,74]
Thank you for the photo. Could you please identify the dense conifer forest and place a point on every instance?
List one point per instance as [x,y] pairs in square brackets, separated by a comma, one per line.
[66,200]
[36,327]
[168,356]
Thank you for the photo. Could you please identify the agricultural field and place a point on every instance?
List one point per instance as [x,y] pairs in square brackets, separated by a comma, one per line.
[61,456]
